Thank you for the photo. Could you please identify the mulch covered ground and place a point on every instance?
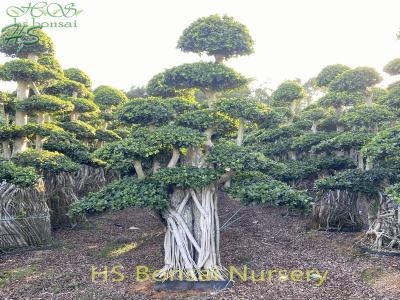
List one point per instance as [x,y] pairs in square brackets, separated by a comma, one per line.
[261,238]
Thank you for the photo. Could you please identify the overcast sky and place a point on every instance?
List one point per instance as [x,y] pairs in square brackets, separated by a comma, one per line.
[125,42]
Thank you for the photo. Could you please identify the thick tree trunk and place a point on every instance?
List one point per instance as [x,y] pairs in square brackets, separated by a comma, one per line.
[39,139]
[74,116]
[211,97]
[192,237]
[21,118]
[174,159]
[6,149]
[369,165]
[3,119]
[292,155]
[339,111]
[24,216]
[137,164]
[336,210]
[66,188]
[360,160]
[384,231]
[194,157]
[156,166]
[314,127]
[209,133]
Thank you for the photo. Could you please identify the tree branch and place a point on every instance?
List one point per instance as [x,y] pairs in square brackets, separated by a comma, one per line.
[156,166]
[209,132]
[174,159]
[240,134]
[34,88]
[137,164]
[210,96]
[226,177]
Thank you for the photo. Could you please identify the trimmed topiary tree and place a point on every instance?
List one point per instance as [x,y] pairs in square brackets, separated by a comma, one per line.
[329,74]
[245,110]
[289,93]
[393,67]
[356,80]
[26,71]
[221,37]
[40,105]
[79,76]
[179,153]
[107,96]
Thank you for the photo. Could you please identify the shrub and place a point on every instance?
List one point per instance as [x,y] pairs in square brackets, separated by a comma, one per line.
[20,176]
[45,161]
[260,188]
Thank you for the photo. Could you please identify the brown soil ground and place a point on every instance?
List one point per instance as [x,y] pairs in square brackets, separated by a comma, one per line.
[264,238]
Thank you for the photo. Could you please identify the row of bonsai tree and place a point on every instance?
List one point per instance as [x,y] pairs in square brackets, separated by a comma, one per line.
[331,145]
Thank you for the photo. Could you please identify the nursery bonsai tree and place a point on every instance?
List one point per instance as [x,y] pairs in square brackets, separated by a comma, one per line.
[315,114]
[40,105]
[360,79]
[245,111]
[107,98]
[178,152]
[368,118]
[74,86]
[289,93]
[26,71]
[329,74]
[351,94]
[6,109]
[84,117]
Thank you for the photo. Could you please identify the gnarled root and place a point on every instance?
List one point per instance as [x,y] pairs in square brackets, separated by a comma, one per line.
[336,210]
[192,238]
[24,216]
[384,231]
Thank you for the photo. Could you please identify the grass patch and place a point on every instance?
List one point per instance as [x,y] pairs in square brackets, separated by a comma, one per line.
[16,274]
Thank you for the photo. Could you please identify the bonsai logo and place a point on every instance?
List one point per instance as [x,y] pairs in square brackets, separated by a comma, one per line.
[45,14]
[20,34]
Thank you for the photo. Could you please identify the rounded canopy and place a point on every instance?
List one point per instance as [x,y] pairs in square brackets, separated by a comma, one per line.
[217,36]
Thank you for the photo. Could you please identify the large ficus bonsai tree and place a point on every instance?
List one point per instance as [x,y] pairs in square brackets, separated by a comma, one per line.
[43,116]
[182,152]
[33,69]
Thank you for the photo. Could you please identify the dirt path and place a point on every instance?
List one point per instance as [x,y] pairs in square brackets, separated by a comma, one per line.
[262,239]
